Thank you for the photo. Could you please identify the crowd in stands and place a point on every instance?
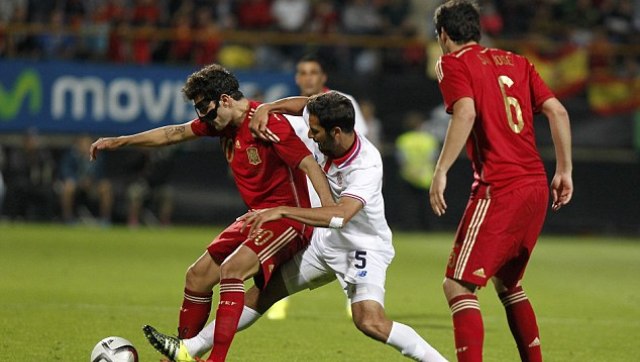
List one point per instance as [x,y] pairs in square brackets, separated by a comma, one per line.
[198,31]
[42,183]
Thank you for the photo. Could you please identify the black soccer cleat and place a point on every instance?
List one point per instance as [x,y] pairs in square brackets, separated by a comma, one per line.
[168,346]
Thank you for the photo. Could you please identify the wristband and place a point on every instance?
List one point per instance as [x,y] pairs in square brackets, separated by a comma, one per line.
[336,222]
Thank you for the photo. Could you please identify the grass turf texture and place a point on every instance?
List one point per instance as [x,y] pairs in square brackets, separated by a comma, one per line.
[64,289]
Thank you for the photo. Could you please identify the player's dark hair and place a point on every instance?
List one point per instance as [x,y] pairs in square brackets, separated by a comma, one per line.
[333,110]
[211,82]
[314,58]
[460,19]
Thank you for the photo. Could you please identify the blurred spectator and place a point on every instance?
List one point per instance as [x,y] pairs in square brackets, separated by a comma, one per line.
[208,40]
[57,43]
[325,17]
[417,153]
[29,177]
[82,182]
[374,126]
[150,190]
[9,9]
[102,20]
[290,15]
[254,14]
[182,43]
[395,17]
[490,18]
[361,17]
[146,16]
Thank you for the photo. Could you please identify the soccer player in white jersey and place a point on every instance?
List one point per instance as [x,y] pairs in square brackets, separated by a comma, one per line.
[351,241]
[311,79]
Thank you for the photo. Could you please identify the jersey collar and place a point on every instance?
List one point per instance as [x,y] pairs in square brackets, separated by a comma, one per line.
[347,158]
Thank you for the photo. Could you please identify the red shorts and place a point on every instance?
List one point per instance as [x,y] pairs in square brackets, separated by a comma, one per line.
[497,235]
[279,241]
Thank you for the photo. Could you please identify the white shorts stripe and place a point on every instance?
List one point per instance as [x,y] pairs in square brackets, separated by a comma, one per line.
[470,237]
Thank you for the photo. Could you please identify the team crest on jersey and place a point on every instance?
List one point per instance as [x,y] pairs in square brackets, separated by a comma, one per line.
[237,143]
[340,179]
[253,155]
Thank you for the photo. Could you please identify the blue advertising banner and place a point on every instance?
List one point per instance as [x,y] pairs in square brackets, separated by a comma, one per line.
[67,97]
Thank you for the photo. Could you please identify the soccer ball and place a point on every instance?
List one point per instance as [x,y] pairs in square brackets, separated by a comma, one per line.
[114,349]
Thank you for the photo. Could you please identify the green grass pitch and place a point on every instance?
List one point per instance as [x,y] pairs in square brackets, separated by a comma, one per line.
[63,289]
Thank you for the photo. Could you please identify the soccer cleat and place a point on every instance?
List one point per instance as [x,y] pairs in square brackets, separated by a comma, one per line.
[168,346]
[278,311]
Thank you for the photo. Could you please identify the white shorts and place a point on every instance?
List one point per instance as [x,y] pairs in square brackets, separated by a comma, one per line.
[361,273]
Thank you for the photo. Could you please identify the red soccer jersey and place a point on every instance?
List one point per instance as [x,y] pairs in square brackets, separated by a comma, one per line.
[506,90]
[267,174]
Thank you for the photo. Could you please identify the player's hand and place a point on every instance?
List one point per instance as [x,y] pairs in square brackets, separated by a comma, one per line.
[258,125]
[105,143]
[436,193]
[255,218]
[561,190]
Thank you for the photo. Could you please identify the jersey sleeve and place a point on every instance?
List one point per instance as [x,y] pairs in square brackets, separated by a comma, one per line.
[540,92]
[202,129]
[453,80]
[363,183]
[290,148]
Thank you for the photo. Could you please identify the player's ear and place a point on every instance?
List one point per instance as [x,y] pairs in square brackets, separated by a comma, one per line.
[224,99]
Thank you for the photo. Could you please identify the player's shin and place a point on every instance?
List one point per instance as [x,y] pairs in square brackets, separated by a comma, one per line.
[522,322]
[468,329]
[227,317]
[194,313]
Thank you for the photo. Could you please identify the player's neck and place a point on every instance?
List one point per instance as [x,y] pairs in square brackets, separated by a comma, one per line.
[453,47]
[240,111]
[346,142]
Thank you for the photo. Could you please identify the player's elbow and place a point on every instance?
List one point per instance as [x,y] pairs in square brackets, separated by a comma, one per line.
[554,110]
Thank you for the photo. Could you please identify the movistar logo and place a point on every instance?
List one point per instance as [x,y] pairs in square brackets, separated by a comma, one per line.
[27,85]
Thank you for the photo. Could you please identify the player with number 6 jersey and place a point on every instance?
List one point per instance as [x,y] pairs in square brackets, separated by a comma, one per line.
[492,95]
[506,90]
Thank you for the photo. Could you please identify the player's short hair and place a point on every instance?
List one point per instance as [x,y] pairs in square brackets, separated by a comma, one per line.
[313,58]
[460,19]
[333,110]
[212,81]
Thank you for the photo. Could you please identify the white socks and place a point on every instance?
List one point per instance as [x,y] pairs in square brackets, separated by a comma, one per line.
[203,342]
[410,344]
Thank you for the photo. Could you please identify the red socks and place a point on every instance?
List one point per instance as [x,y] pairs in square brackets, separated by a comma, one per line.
[194,313]
[522,321]
[227,317]
[467,327]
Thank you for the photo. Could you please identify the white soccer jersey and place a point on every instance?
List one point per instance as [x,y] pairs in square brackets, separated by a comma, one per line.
[300,125]
[358,175]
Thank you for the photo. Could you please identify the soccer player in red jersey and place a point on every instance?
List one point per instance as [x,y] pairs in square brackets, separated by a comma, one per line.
[492,95]
[266,174]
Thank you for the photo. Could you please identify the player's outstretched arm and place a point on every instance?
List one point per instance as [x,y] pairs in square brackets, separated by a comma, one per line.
[310,166]
[156,137]
[562,183]
[258,124]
